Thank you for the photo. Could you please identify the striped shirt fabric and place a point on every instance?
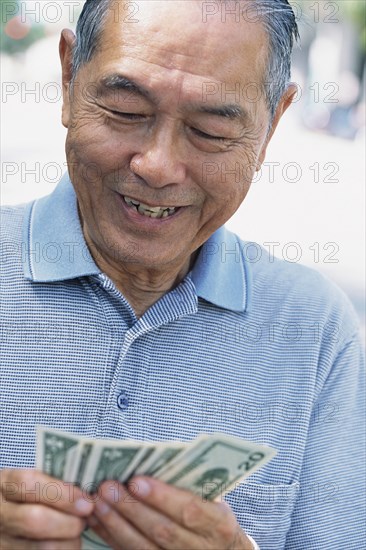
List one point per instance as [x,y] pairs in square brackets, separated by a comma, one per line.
[247,344]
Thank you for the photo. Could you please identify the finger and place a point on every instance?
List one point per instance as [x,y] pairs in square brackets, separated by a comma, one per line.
[185,508]
[117,530]
[155,526]
[10,543]
[32,486]
[209,524]
[36,521]
[100,530]
[71,544]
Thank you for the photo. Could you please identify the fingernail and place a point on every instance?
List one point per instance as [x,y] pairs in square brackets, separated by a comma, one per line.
[102,508]
[143,487]
[84,506]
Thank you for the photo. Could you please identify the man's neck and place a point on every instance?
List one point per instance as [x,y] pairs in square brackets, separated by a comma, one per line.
[140,286]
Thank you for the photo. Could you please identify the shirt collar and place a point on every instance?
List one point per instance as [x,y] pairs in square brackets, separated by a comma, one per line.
[55,249]
[220,274]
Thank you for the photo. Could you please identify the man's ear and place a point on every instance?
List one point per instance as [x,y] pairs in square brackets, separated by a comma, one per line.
[285,102]
[67,42]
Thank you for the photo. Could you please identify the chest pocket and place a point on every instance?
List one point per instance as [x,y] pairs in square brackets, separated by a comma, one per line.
[264,511]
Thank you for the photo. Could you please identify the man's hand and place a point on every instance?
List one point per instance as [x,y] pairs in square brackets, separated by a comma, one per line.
[151,515]
[40,512]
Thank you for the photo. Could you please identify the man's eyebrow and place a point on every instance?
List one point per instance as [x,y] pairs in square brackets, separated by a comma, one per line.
[120,82]
[233,112]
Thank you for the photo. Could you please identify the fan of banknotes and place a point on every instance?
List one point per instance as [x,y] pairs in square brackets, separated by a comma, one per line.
[210,466]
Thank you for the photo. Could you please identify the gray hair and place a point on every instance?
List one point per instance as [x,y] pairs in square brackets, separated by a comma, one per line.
[277,16]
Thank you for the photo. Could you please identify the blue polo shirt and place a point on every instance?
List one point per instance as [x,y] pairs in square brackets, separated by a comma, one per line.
[246,344]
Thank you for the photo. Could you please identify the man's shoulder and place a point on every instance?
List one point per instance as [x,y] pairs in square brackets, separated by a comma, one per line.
[11,219]
[11,239]
[298,291]
[286,275]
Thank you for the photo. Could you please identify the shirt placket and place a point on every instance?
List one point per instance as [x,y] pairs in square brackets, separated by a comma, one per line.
[121,407]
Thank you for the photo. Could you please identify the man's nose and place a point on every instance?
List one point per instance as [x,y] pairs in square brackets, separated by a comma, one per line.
[159,163]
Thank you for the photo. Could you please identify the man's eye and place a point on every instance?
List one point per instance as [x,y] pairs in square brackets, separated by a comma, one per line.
[128,116]
[208,136]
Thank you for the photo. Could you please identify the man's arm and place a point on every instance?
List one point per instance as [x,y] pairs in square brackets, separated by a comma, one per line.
[329,512]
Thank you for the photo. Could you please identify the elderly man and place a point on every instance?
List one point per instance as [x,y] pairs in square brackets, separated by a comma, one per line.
[130,312]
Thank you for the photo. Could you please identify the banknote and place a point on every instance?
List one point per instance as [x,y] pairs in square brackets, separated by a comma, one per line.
[56,452]
[91,541]
[209,466]
[81,461]
[162,456]
[215,465]
[112,460]
[86,461]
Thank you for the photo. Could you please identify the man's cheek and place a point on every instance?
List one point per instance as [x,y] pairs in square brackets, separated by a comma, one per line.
[87,154]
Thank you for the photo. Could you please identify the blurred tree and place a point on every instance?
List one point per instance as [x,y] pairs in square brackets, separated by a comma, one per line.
[355,10]
[17,35]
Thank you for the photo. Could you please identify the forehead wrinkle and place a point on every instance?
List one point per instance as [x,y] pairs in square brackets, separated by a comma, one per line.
[117,81]
[185,38]
[159,48]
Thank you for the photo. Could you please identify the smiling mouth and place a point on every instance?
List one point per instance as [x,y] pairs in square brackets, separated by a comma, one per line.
[150,211]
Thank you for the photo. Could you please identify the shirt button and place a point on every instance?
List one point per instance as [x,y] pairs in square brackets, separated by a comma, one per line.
[122,401]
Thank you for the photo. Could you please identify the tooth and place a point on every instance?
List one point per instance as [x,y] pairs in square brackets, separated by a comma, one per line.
[154,214]
[165,214]
[151,208]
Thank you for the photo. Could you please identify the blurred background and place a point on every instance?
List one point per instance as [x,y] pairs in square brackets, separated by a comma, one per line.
[306,205]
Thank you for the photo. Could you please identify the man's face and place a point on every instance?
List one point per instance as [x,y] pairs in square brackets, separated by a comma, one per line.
[147,121]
